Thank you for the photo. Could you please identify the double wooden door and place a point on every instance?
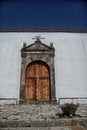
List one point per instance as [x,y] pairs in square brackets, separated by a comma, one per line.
[37,82]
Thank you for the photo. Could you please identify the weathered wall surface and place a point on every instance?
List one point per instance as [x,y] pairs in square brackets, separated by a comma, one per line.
[70,62]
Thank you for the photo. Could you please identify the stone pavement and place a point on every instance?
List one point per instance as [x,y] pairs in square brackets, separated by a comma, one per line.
[40,117]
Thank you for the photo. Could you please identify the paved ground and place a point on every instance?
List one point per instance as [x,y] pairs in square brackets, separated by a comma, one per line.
[39,117]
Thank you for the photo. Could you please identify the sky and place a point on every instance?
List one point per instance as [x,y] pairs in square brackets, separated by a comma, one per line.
[57,14]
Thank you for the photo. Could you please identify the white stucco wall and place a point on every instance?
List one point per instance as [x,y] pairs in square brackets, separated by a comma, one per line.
[70,62]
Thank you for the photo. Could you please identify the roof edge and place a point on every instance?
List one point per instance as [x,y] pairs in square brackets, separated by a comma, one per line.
[41,30]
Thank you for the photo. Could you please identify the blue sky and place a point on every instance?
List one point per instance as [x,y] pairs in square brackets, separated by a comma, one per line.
[60,14]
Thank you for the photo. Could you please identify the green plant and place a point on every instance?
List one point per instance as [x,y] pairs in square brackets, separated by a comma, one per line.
[69,109]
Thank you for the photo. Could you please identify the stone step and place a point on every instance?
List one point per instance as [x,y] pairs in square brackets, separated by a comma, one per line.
[36,123]
[44,123]
[39,102]
[46,128]
[37,128]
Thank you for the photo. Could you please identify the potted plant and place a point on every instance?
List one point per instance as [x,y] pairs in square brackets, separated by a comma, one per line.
[69,109]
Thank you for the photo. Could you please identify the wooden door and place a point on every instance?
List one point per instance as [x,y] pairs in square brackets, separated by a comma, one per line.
[37,85]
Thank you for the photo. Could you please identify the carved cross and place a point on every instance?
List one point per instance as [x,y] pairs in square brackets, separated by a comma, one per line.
[38,38]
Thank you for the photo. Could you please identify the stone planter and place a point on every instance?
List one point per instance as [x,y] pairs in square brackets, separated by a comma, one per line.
[69,109]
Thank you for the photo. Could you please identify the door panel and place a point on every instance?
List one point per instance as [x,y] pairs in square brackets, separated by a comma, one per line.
[30,71]
[43,91]
[37,82]
[30,89]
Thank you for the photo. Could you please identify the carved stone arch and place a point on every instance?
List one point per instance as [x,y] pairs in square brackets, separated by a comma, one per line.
[37,56]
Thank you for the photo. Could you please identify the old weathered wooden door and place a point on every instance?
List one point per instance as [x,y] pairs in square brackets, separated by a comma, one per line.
[37,83]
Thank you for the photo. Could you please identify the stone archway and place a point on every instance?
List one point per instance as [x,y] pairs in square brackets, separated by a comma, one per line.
[37,82]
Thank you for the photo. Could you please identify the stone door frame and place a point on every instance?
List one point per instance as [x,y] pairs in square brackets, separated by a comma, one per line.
[38,52]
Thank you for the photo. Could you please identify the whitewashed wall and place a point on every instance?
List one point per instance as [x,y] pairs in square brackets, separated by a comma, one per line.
[70,62]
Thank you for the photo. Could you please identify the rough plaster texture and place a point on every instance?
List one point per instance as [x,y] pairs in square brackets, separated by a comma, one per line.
[70,62]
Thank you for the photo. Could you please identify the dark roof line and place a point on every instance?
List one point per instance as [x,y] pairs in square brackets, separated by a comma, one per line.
[41,30]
